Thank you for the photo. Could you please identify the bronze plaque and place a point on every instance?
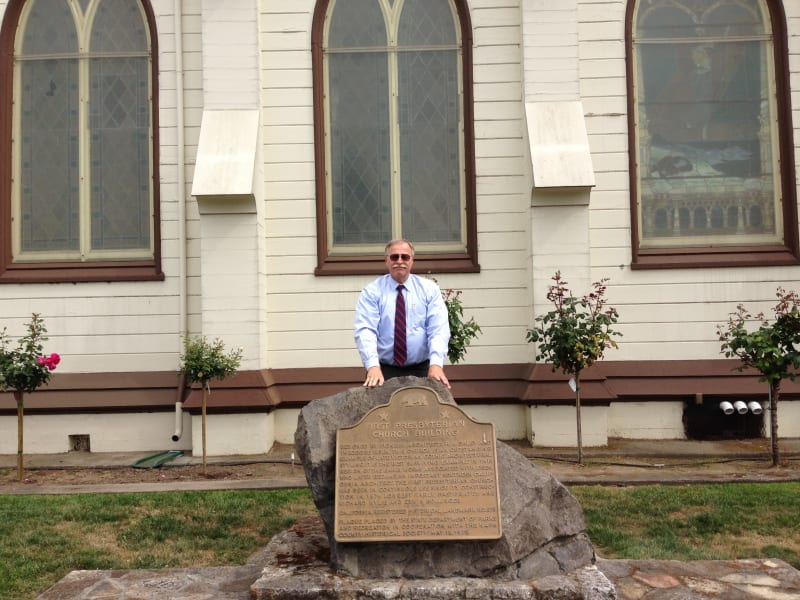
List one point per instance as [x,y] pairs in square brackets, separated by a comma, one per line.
[416,469]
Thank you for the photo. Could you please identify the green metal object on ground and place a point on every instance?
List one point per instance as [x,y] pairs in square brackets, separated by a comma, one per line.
[157,459]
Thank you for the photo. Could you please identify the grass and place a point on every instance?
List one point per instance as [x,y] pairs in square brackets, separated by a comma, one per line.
[694,522]
[42,538]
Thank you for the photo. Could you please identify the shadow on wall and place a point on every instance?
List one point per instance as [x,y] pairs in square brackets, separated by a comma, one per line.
[724,418]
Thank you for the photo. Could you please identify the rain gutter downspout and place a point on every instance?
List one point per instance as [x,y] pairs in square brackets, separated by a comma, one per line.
[179,408]
[181,193]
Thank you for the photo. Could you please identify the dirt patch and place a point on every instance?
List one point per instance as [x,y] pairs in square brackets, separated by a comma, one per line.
[657,471]
[88,476]
[635,465]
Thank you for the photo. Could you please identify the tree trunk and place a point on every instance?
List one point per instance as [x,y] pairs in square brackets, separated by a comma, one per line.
[578,415]
[775,391]
[20,419]
[203,419]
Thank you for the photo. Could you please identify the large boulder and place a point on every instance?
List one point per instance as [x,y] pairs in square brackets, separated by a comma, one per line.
[543,529]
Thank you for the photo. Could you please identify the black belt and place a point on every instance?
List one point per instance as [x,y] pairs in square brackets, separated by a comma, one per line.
[409,367]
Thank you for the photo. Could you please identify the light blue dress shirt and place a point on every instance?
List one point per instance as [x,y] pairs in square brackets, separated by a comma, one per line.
[428,328]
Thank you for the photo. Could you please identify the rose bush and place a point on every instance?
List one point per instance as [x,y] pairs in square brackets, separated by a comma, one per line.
[773,349]
[24,369]
[575,334]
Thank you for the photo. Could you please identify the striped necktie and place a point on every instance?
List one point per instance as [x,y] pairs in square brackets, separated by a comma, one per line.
[400,327]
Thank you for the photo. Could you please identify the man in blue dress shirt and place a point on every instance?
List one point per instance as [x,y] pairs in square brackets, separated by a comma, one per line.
[427,325]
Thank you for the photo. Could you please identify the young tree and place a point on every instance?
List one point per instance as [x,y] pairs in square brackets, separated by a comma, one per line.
[575,334]
[204,361]
[773,349]
[23,369]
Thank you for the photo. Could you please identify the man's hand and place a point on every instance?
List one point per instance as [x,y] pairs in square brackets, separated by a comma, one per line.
[437,372]
[374,377]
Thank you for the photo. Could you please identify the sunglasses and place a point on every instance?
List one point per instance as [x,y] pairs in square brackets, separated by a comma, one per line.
[396,257]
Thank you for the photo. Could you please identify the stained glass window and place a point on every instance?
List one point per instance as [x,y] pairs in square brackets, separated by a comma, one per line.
[707,125]
[395,131]
[84,155]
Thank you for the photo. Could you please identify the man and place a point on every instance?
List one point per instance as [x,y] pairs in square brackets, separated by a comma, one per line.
[420,347]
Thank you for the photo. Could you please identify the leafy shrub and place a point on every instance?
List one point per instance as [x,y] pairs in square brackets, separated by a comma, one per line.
[204,361]
[461,332]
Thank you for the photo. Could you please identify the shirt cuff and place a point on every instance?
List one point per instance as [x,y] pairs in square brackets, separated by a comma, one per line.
[437,359]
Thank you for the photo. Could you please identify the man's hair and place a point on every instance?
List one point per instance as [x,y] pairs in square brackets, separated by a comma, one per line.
[398,241]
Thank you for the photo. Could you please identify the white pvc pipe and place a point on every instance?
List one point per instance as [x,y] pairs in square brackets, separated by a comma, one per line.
[180,184]
[178,422]
[755,407]
[740,407]
[726,407]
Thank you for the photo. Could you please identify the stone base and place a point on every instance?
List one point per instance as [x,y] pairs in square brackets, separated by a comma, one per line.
[297,568]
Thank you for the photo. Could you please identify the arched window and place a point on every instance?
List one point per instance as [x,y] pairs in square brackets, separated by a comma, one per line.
[710,125]
[78,200]
[394,141]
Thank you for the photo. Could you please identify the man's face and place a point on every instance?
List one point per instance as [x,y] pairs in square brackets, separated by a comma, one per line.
[399,260]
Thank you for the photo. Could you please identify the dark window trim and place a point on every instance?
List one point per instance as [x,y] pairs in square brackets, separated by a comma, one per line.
[55,272]
[332,264]
[724,256]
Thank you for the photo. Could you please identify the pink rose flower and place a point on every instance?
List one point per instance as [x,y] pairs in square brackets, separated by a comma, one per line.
[52,361]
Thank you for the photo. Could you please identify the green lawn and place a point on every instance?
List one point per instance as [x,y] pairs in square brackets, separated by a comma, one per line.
[42,538]
[694,522]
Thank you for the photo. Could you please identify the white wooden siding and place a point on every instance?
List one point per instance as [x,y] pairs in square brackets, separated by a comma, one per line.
[519,53]
[121,326]
[664,314]
[310,318]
